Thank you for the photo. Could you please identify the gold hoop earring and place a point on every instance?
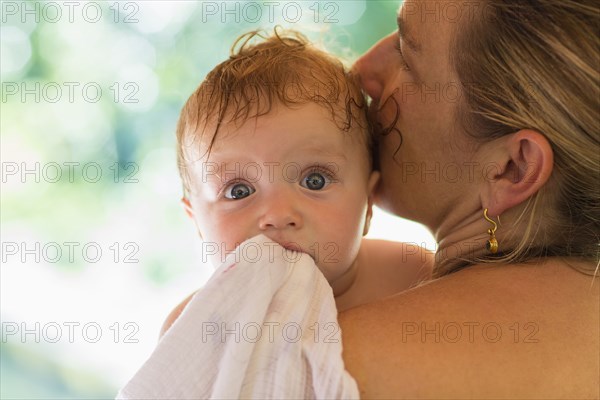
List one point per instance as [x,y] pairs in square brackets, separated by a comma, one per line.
[492,243]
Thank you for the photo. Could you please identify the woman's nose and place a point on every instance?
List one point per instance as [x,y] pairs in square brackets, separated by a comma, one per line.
[373,66]
[281,212]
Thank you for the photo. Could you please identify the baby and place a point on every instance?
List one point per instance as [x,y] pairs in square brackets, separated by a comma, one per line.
[276,141]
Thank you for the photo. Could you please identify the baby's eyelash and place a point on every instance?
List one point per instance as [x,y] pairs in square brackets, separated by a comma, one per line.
[402,60]
[322,170]
[228,184]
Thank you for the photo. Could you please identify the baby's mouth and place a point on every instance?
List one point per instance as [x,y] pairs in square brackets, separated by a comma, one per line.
[293,246]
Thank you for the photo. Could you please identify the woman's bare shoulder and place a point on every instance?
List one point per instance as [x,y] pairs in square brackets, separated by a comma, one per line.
[395,258]
[483,332]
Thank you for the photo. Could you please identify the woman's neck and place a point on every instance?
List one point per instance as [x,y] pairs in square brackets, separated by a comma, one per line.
[463,240]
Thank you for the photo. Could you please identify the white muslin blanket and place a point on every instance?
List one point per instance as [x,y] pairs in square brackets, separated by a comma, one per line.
[264,326]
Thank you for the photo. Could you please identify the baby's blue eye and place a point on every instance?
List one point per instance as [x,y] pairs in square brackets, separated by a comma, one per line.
[314,181]
[238,191]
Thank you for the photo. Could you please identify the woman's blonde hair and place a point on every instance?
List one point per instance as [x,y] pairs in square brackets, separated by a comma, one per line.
[534,64]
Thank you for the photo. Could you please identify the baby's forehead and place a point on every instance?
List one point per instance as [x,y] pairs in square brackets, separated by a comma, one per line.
[310,122]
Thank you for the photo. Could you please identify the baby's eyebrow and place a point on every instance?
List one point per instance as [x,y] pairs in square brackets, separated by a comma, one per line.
[221,168]
[324,152]
[310,151]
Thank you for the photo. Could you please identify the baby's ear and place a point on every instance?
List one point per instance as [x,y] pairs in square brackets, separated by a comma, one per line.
[371,185]
[190,212]
[187,206]
[373,181]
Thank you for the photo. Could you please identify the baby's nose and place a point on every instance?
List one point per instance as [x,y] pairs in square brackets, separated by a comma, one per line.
[281,213]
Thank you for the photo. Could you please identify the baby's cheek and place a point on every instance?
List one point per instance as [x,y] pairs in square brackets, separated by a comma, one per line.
[338,250]
[216,240]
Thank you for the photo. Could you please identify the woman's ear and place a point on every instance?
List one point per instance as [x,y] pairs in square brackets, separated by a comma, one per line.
[522,165]
[371,185]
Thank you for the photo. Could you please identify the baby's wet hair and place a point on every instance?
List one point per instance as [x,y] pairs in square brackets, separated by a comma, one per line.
[264,71]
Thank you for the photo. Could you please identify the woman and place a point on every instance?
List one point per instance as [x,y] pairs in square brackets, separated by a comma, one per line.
[490,138]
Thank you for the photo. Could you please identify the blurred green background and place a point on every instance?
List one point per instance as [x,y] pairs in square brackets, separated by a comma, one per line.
[95,247]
